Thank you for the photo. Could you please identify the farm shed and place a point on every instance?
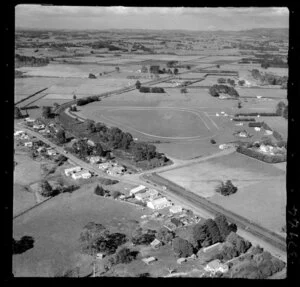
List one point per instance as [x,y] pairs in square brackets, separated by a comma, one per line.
[137,189]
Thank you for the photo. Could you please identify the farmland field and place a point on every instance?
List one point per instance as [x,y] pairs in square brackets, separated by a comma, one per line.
[56,247]
[253,179]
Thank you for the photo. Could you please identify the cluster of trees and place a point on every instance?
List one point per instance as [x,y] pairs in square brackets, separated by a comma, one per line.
[92,76]
[83,149]
[165,235]
[233,247]
[61,136]
[46,189]
[282,110]
[84,101]
[25,61]
[215,90]
[226,188]
[276,158]
[229,81]
[140,236]
[17,113]
[47,112]
[181,247]
[258,264]
[272,61]
[22,245]
[241,82]
[99,190]
[115,138]
[269,79]
[151,90]
[96,238]
[262,114]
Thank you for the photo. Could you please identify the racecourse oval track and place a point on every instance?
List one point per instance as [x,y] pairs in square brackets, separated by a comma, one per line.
[198,114]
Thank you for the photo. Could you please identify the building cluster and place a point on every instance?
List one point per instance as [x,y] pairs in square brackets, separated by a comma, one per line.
[112,168]
[77,172]
[37,146]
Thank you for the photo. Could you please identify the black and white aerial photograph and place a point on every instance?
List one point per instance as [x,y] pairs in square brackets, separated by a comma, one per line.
[150,142]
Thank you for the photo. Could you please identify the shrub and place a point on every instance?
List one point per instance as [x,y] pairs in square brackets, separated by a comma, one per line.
[144,90]
[181,247]
[213,230]
[46,189]
[99,190]
[226,189]
[115,194]
[212,141]
[22,245]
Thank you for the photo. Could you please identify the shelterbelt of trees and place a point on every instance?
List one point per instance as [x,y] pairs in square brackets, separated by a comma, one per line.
[26,61]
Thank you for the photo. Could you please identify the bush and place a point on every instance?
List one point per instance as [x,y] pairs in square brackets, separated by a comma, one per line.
[99,190]
[181,247]
[115,194]
[212,141]
[22,245]
[226,189]
[92,76]
[238,242]
[143,237]
[125,255]
[144,90]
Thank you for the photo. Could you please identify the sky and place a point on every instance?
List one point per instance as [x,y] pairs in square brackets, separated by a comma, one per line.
[153,18]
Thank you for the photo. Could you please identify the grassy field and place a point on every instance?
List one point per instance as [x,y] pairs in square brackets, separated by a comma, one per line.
[56,226]
[22,200]
[278,124]
[253,179]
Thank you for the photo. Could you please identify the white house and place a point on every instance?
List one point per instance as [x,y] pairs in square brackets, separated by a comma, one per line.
[239,124]
[29,120]
[40,149]
[216,266]
[39,127]
[90,142]
[257,129]
[269,132]
[217,115]
[100,255]
[137,189]
[116,170]
[94,159]
[149,260]
[106,165]
[175,209]
[18,133]
[159,203]
[155,243]
[181,260]
[71,170]
[51,152]
[81,174]
[28,144]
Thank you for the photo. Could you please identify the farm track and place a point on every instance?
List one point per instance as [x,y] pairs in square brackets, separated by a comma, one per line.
[243,223]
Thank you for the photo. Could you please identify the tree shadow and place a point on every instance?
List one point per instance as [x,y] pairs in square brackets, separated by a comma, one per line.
[22,245]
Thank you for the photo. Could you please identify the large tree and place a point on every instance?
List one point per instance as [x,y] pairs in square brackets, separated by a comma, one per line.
[182,247]
[61,136]
[46,112]
[223,225]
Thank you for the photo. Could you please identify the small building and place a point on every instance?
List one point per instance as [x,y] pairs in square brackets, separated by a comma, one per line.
[81,174]
[217,115]
[90,142]
[213,247]
[216,266]
[170,226]
[72,170]
[159,203]
[39,127]
[100,255]
[149,260]
[29,120]
[175,209]
[268,132]
[115,170]
[51,152]
[181,260]
[18,133]
[257,129]
[28,144]
[40,149]
[94,159]
[155,243]
[140,188]
[239,124]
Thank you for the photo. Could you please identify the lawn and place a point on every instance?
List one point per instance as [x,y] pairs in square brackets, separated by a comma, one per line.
[56,226]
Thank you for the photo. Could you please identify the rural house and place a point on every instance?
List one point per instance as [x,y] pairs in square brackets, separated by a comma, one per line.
[149,260]
[81,174]
[28,144]
[216,266]
[140,188]
[72,170]
[158,203]
[142,196]
[176,209]
[155,243]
